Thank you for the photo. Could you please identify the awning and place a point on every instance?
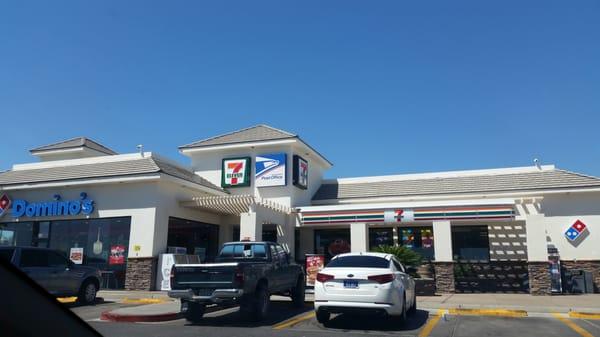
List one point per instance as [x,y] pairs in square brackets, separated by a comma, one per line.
[234,204]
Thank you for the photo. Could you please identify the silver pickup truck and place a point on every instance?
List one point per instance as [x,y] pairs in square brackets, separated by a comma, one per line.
[244,273]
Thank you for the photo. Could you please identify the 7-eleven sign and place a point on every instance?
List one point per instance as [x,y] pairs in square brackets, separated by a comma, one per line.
[235,172]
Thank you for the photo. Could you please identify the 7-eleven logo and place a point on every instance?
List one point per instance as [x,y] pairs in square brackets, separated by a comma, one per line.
[235,172]
[4,204]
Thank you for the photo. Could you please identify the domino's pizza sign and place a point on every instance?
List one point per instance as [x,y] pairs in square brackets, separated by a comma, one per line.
[577,229]
[4,204]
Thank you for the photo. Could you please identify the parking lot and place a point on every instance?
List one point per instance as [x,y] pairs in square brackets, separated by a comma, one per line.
[284,321]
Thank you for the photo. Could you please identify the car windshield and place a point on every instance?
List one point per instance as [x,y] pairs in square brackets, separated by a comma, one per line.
[359,262]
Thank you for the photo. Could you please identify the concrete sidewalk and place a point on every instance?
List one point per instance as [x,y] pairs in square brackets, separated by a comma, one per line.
[532,304]
[167,309]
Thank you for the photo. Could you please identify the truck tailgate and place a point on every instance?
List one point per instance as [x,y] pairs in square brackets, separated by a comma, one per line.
[211,276]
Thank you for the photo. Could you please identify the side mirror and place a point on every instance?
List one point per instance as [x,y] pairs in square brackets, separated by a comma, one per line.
[411,270]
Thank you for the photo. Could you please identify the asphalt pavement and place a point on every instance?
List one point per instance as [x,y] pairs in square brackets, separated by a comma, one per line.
[284,320]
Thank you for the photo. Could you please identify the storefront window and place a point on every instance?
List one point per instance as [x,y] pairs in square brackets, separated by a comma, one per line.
[16,234]
[197,238]
[267,234]
[331,242]
[470,243]
[381,237]
[419,239]
[105,244]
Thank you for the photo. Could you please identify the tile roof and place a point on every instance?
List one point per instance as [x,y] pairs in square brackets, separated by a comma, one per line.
[485,183]
[252,134]
[109,169]
[74,143]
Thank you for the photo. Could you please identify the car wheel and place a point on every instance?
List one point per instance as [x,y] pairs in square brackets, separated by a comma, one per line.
[413,308]
[323,316]
[87,292]
[261,303]
[194,311]
[298,293]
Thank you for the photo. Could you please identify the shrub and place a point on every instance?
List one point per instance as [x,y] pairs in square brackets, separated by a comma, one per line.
[405,255]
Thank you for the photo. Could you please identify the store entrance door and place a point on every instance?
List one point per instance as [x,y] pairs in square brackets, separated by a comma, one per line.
[197,238]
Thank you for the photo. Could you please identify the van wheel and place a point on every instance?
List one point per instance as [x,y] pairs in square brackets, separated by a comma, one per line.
[323,316]
[194,312]
[298,293]
[87,292]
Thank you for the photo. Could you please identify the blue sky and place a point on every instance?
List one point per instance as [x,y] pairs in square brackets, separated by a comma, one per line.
[381,87]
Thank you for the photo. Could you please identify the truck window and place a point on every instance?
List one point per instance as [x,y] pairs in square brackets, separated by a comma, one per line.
[243,251]
[34,258]
[56,260]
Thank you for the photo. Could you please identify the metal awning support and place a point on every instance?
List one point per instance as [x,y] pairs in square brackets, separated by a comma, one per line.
[234,204]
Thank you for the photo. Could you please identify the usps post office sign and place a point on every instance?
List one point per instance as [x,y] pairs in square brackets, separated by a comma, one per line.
[270,170]
[235,172]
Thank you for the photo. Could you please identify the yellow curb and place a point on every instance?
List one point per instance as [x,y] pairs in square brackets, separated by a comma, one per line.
[581,331]
[143,300]
[431,323]
[67,299]
[293,321]
[584,315]
[488,312]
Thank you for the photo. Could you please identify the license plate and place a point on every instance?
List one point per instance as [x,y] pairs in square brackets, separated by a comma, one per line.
[350,284]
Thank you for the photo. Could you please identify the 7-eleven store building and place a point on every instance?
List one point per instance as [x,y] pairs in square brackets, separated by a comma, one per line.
[489,230]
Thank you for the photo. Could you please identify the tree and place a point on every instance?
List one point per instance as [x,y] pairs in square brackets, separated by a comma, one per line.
[405,255]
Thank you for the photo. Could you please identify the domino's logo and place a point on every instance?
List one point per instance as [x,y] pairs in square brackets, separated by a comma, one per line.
[4,204]
[576,230]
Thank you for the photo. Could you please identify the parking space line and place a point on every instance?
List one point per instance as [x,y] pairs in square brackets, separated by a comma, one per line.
[293,321]
[572,325]
[432,323]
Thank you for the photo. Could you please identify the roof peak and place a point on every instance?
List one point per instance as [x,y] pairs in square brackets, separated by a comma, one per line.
[74,142]
[259,132]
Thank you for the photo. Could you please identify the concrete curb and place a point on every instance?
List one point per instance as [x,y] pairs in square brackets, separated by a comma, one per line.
[113,317]
[144,300]
[584,315]
[488,312]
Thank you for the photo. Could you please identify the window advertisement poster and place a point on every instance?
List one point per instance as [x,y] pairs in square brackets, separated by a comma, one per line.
[300,172]
[426,238]
[314,264]
[76,255]
[117,254]
[235,172]
[408,238]
[270,170]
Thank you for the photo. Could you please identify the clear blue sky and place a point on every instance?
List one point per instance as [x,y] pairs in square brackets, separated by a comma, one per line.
[381,87]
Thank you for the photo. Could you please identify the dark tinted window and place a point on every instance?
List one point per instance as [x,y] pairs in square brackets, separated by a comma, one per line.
[57,260]
[6,254]
[398,266]
[34,258]
[243,251]
[359,262]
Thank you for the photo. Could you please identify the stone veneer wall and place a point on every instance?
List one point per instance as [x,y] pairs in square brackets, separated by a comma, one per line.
[444,277]
[141,273]
[592,266]
[539,278]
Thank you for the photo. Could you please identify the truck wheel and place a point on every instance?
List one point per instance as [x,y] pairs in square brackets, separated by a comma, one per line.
[261,303]
[87,292]
[194,311]
[323,316]
[298,293]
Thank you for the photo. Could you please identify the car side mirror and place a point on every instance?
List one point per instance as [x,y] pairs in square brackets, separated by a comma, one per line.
[411,270]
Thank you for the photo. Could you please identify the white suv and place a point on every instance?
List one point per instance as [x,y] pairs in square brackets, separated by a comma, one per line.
[359,282]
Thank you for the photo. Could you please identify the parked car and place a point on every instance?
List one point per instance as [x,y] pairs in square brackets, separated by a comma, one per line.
[364,282]
[244,273]
[54,272]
